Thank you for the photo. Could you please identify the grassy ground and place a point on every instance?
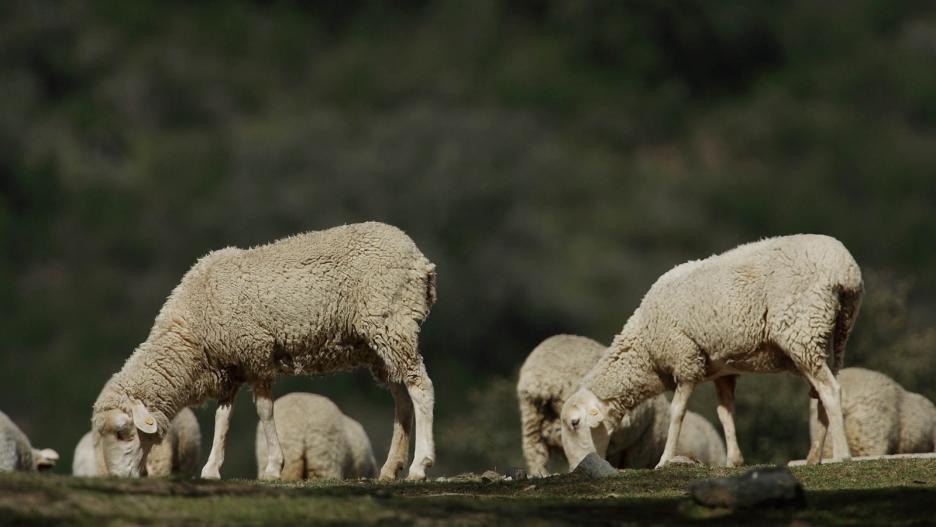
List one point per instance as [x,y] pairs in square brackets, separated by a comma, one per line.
[901,492]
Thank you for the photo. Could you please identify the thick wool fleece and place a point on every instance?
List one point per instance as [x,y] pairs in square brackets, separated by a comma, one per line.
[318,441]
[317,302]
[768,306]
[881,417]
[780,304]
[179,452]
[552,372]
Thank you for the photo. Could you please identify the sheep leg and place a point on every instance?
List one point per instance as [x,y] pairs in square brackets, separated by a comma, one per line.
[212,469]
[818,450]
[263,397]
[421,392]
[535,450]
[830,403]
[725,386]
[402,427]
[677,412]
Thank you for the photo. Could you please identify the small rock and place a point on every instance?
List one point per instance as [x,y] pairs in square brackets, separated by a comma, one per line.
[490,476]
[759,487]
[593,466]
[516,474]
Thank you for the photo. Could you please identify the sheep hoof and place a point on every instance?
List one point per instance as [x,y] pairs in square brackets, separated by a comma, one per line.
[210,473]
[416,475]
[269,475]
[390,471]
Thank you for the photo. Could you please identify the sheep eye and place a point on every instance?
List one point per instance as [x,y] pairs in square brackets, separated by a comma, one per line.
[124,435]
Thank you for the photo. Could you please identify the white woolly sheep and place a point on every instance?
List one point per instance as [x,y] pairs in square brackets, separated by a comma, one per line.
[780,304]
[178,452]
[881,418]
[16,453]
[640,438]
[312,303]
[552,372]
[318,441]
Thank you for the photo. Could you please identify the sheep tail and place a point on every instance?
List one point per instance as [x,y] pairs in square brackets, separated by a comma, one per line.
[849,305]
[430,284]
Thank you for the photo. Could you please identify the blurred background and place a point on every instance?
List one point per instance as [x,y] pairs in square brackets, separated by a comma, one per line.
[552,157]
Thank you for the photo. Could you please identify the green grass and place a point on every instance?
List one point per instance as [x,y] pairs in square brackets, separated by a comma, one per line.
[898,492]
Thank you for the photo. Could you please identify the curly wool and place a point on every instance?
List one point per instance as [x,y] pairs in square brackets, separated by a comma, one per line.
[312,303]
[179,452]
[769,306]
[318,441]
[553,371]
[881,418]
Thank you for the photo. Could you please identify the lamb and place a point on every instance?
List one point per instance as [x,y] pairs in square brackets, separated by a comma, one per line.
[318,441]
[16,453]
[551,374]
[350,296]
[177,453]
[881,418]
[780,304]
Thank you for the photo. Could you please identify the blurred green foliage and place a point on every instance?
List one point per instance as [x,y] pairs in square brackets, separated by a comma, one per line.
[552,157]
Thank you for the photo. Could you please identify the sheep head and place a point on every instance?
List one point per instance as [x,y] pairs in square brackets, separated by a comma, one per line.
[45,459]
[584,428]
[123,437]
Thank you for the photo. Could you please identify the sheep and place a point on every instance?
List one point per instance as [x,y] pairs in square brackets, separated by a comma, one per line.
[551,373]
[16,453]
[640,437]
[318,441]
[780,304]
[318,302]
[881,417]
[177,453]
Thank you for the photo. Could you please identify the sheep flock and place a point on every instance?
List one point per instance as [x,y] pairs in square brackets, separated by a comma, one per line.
[355,296]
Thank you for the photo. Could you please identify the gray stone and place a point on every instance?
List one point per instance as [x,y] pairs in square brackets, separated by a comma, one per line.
[516,474]
[593,466]
[772,487]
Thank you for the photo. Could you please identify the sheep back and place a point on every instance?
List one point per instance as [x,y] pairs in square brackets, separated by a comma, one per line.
[881,417]
[316,440]
[179,452]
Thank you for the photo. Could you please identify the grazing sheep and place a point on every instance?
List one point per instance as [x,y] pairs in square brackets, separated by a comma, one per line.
[640,438]
[780,304]
[16,453]
[318,441]
[551,374]
[177,453]
[881,417]
[312,303]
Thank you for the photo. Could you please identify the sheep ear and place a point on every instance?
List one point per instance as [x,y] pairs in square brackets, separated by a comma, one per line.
[595,416]
[143,419]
